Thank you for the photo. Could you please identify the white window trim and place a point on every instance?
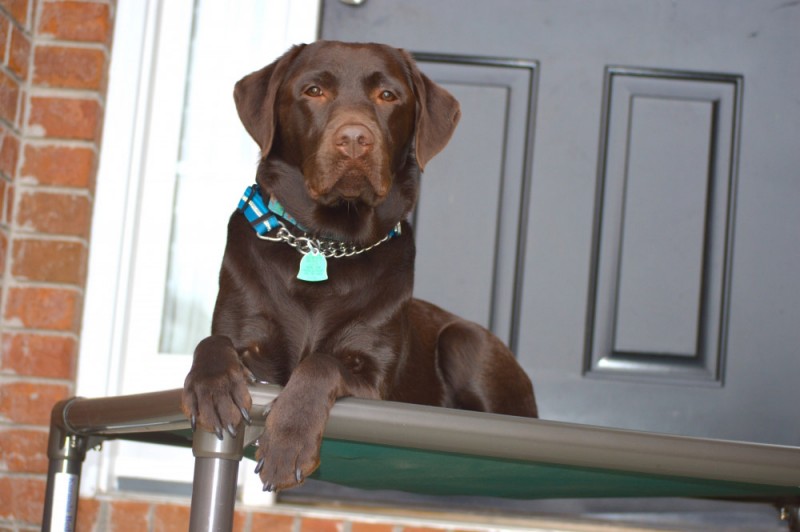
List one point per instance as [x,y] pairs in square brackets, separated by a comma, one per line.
[140,139]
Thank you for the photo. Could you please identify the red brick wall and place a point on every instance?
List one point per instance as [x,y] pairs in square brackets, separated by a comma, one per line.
[53,65]
[54,57]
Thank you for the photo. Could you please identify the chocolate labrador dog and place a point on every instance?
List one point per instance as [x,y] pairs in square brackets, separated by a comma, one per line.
[315,291]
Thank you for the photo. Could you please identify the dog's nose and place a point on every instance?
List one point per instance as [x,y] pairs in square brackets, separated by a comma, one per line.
[354,140]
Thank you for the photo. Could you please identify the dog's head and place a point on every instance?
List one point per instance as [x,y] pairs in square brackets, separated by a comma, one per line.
[353,120]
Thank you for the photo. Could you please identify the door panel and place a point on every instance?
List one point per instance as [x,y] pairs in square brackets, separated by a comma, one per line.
[659,298]
[653,280]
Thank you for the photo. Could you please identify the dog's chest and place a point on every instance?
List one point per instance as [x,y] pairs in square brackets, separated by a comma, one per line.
[328,315]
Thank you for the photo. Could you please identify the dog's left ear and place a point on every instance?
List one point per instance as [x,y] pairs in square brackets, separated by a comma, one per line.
[438,113]
[255,96]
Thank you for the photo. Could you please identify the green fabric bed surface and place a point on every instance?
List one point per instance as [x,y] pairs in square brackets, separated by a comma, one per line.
[373,467]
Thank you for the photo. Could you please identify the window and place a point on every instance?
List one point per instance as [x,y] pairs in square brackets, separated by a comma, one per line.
[174,162]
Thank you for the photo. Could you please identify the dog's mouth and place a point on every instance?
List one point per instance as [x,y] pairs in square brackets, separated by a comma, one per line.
[353,184]
[346,197]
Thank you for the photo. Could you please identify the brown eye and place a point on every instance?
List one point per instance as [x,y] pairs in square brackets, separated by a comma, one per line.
[314,91]
[388,96]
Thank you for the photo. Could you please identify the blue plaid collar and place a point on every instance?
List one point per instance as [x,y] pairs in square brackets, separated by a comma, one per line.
[264,218]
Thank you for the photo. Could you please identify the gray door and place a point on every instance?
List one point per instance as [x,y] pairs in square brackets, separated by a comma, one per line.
[621,202]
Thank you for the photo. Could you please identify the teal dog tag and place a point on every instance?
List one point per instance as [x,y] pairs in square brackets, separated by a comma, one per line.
[313,267]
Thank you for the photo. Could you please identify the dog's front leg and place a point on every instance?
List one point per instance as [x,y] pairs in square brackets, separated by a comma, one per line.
[288,449]
[215,395]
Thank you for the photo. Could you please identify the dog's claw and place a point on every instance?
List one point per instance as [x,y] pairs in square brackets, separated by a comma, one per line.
[193,421]
[268,487]
[218,432]
[298,475]
[245,415]
[231,429]
[259,466]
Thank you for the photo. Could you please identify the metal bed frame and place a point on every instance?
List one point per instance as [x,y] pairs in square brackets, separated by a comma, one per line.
[524,454]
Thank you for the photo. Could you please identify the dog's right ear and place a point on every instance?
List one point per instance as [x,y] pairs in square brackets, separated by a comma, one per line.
[255,96]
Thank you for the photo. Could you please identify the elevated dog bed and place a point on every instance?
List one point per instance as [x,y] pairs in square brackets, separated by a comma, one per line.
[426,450]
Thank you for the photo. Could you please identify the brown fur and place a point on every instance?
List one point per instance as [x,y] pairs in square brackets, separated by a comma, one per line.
[344,131]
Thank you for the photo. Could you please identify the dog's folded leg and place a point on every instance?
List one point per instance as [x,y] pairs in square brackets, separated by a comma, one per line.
[480,373]
[288,449]
[215,395]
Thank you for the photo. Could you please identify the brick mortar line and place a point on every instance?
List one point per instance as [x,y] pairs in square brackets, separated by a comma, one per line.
[23,186]
[142,497]
[11,427]
[58,142]
[45,237]
[25,475]
[17,526]
[8,37]
[153,501]
[16,23]
[11,128]
[58,238]
[22,283]
[10,73]
[45,42]
[39,235]
[40,91]
[33,137]
[48,333]
[10,378]
[248,521]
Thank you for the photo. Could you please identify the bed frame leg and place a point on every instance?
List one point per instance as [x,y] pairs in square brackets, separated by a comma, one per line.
[216,468]
[66,452]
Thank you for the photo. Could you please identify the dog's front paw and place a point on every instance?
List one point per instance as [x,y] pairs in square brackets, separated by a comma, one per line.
[288,451]
[215,395]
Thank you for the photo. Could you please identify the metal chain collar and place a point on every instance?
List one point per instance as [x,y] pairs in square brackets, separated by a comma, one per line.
[327,248]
